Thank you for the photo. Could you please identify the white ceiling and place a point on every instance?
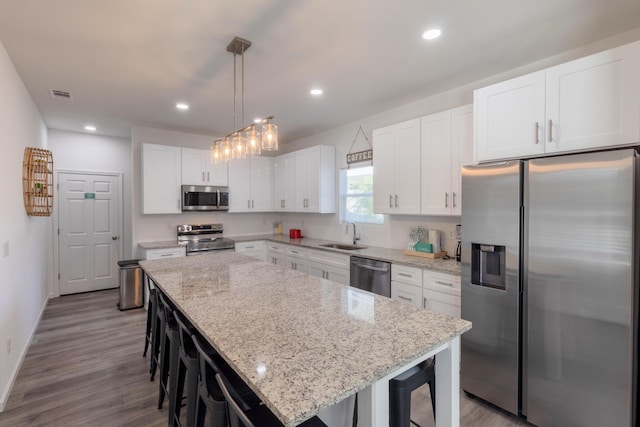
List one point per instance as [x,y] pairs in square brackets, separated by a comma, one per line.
[128,62]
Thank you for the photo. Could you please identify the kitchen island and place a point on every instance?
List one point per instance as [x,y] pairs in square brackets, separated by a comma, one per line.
[303,343]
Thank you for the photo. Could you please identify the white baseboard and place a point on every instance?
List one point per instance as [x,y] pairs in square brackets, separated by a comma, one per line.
[16,369]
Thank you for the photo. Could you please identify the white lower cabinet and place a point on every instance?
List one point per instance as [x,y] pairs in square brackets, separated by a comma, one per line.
[441,293]
[257,249]
[164,253]
[406,284]
[331,266]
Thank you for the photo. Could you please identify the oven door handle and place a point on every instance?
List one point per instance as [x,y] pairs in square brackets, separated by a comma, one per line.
[370,267]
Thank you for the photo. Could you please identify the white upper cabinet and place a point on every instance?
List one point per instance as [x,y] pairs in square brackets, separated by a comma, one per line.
[284,182]
[161,174]
[250,184]
[315,179]
[396,172]
[510,118]
[198,168]
[589,103]
[447,144]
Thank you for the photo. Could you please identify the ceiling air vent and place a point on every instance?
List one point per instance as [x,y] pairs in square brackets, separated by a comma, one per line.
[61,94]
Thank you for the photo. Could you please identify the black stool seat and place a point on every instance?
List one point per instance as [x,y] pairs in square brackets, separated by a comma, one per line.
[400,389]
[259,416]
[185,374]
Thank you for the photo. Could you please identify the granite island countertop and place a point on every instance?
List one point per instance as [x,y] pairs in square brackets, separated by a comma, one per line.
[301,342]
[394,256]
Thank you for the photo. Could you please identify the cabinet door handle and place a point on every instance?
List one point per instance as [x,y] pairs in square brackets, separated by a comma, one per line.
[252,204]
[425,302]
[550,130]
[537,129]
[404,298]
[207,176]
[454,199]
[390,201]
[444,283]
[248,204]
[446,200]
[396,200]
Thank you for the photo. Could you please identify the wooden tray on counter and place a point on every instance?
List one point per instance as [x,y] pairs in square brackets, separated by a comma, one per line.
[425,254]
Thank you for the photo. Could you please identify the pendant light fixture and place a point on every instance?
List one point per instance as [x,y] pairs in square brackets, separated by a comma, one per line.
[250,139]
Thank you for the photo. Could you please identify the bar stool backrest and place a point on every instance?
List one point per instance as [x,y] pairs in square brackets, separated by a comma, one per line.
[185,335]
[237,418]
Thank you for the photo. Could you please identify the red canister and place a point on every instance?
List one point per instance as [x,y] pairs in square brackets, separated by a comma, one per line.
[295,233]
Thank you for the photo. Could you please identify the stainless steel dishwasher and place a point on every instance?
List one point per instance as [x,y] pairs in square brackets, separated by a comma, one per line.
[371,275]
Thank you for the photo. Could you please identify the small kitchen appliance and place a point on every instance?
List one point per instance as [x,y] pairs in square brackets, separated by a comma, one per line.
[205,198]
[295,233]
[202,238]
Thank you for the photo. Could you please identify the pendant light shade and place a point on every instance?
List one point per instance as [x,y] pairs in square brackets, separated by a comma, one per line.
[226,149]
[253,142]
[216,156]
[239,148]
[269,136]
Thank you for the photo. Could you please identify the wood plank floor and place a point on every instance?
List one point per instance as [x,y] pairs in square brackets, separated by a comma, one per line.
[85,368]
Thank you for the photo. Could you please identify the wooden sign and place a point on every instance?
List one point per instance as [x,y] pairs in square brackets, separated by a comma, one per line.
[360,156]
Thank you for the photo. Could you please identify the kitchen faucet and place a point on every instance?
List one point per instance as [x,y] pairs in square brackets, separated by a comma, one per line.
[355,236]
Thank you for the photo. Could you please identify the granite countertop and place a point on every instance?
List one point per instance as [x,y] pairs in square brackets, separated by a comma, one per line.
[394,256]
[301,342]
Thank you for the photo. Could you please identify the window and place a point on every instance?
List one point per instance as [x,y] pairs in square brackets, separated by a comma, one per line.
[356,196]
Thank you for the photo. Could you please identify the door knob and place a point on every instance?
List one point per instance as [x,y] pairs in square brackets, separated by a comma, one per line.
[114,237]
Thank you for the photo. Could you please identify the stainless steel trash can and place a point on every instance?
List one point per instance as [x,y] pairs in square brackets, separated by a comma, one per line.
[131,289]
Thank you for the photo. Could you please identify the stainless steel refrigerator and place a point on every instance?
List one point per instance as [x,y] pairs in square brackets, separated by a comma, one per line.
[550,281]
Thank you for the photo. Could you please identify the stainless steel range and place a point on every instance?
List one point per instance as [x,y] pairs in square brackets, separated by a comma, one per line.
[202,238]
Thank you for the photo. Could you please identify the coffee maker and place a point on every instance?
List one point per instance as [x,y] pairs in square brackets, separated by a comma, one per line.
[459,239]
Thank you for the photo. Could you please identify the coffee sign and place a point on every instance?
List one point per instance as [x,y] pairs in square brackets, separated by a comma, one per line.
[360,156]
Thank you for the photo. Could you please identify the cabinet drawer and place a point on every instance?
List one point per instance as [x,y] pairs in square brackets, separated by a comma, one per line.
[164,253]
[441,302]
[329,258]
[440,282]
[294,251]
[408,275]
[250,246]
[408,294]
[278,248]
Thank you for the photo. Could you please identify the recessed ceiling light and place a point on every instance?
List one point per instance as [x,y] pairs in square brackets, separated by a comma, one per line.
[90,128]
[431,34]
[182,106]
[316,92]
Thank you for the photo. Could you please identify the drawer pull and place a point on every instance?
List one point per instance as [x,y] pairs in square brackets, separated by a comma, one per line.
[444,283]
[405,275]
[249,247]
[404,298]
[166,255]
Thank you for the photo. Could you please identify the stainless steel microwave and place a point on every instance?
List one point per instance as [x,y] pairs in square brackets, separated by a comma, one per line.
[205,198]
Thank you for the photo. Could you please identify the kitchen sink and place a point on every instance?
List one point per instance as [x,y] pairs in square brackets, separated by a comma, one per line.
[344,246]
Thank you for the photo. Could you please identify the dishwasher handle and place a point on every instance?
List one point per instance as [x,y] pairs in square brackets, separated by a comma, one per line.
[371,267]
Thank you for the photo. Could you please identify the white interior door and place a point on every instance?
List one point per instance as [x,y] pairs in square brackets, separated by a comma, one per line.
[88,222]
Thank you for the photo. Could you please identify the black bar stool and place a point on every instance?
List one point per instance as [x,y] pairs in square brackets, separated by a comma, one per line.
[259,416]
[168,351]
[400,389]
[186,372]
[151,313]
[157,330]
[210,398]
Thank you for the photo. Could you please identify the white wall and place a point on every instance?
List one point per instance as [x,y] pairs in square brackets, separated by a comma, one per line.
[25,273]
[163,227]
[97,153]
